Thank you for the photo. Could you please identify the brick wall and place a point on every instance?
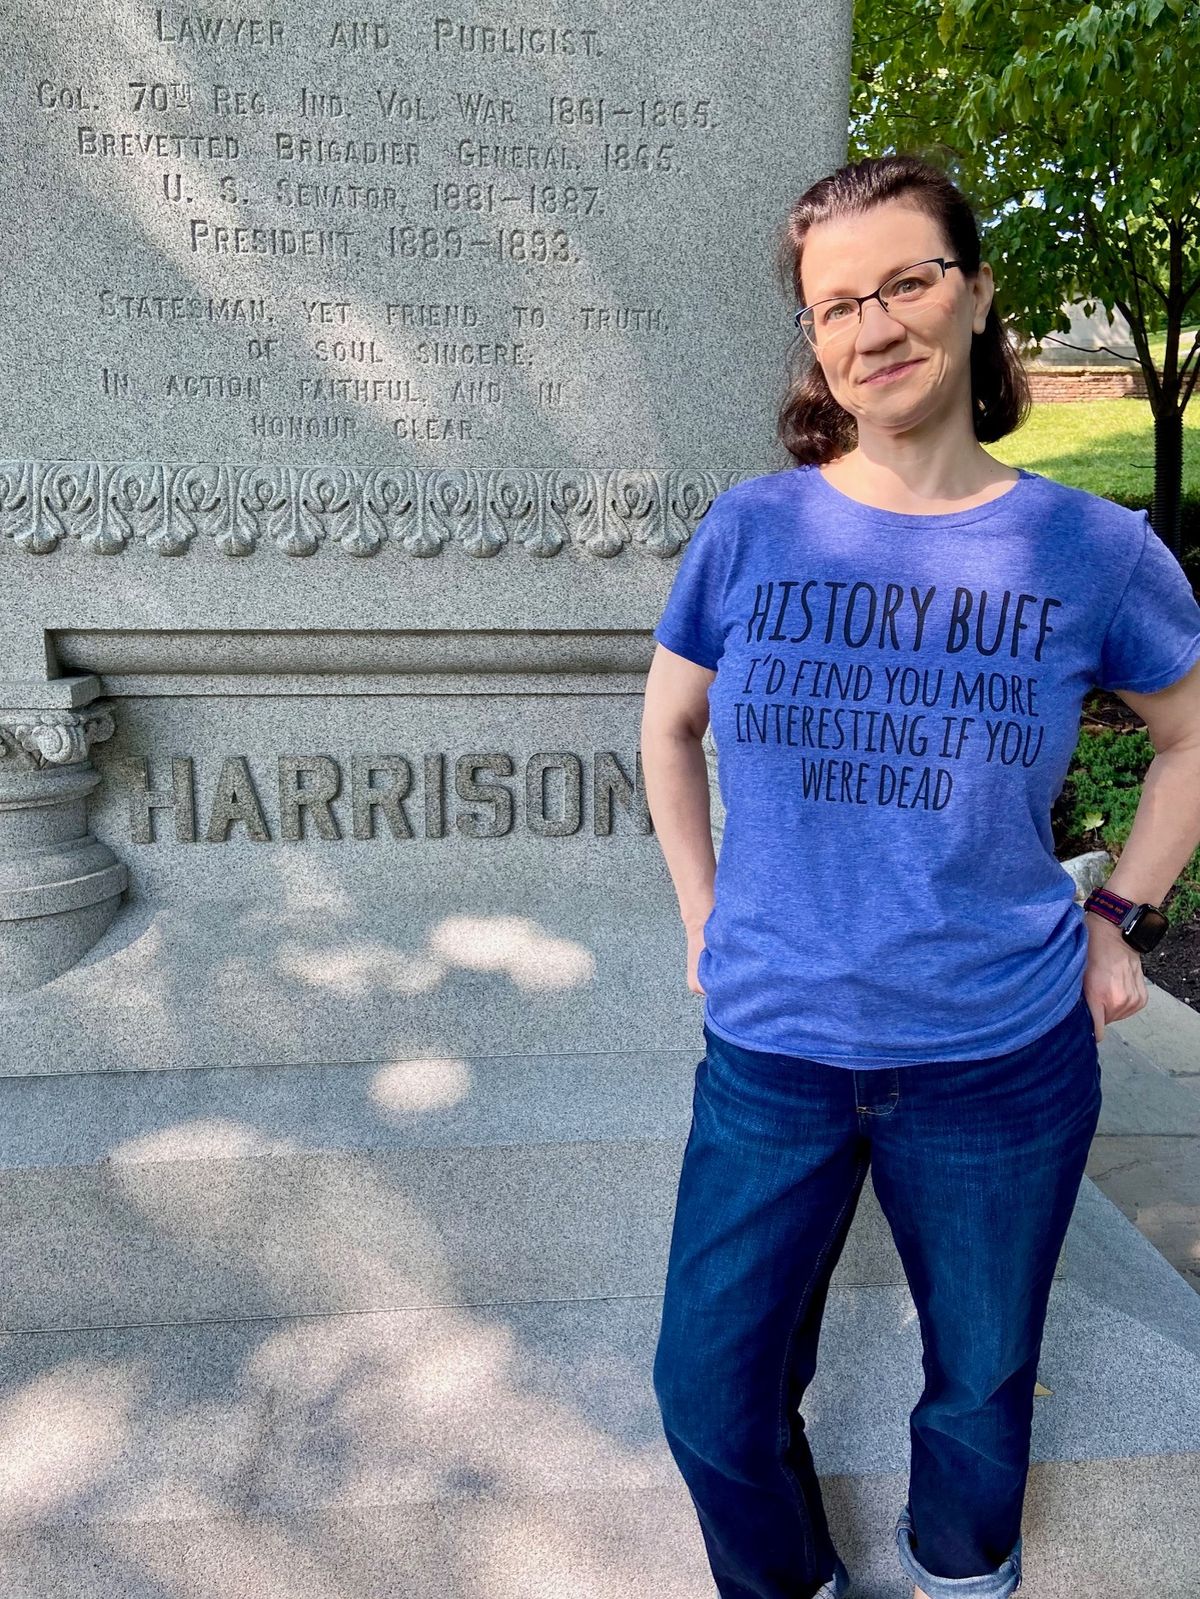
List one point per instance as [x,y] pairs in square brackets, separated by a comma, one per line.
[1058,385]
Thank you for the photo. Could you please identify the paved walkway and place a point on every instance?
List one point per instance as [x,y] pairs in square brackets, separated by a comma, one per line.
[1146,1153]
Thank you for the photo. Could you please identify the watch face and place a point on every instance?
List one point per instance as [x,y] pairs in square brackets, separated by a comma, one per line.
[1147,929]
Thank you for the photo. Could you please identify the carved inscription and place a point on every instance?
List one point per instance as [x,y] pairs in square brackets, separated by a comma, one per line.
[205,28]
[272,158]
[371,797]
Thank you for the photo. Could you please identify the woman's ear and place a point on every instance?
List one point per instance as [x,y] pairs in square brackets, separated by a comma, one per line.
[983,286]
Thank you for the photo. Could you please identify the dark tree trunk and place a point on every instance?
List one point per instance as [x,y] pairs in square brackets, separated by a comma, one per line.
[1166,512]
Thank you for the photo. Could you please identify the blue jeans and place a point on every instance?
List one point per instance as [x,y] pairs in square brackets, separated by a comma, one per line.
[976,1165]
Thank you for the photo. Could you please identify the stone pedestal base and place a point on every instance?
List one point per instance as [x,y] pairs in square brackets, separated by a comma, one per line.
[60,887]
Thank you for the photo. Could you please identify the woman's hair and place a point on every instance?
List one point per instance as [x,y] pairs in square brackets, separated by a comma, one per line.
[813,427]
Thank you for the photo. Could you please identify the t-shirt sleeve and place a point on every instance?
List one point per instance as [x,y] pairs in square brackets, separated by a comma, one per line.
[1154,636]
[692,624]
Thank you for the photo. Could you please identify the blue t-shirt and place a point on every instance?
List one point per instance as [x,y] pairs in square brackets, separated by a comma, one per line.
[896,704]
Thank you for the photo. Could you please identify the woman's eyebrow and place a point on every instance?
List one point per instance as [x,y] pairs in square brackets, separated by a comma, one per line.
[831,294]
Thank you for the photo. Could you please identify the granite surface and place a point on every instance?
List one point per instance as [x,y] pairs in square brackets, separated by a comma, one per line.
[413,239]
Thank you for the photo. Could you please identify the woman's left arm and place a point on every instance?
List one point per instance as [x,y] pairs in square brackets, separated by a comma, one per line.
[1164,835]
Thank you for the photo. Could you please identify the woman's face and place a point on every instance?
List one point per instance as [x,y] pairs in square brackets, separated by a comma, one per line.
[855,255]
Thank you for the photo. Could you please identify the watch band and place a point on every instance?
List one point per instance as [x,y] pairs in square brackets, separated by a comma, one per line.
[1109,905]
[1142,926]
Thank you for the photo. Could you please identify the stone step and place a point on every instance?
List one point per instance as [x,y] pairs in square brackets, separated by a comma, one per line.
[305,978]
[1102,1529]
[192,1195]
[514,1449]
[532,1397]
[386,1326]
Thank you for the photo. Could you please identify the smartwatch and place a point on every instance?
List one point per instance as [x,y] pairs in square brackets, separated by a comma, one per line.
[1141,925]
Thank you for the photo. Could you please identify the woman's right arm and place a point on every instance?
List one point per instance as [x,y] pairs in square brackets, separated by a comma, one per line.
[674,720]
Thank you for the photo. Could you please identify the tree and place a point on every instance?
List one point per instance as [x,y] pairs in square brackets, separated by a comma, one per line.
[1076,135]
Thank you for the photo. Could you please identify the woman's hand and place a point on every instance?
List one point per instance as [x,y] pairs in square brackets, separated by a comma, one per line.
[1114,984]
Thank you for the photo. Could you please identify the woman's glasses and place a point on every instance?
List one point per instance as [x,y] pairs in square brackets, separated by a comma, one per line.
[827,322]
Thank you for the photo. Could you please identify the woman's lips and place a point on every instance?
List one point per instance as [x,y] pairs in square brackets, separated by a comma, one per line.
[896,372]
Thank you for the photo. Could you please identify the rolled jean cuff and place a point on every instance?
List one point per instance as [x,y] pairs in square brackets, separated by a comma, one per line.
[998,1584]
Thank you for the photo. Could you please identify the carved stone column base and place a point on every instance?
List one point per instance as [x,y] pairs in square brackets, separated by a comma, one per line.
[60,887]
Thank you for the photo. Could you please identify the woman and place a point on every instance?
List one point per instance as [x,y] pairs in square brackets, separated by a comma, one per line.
[894,638]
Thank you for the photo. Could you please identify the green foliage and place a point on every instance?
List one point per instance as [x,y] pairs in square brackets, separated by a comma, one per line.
[1074,131]
[1104,786]
[1077,138]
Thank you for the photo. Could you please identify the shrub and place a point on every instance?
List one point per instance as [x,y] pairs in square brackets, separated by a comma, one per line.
[1100,797]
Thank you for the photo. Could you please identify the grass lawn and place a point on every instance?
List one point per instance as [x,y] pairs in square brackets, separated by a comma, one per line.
[1188,333]
[1104,446]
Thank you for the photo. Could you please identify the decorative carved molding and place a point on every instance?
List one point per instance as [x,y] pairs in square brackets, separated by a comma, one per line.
[53,737]
[107,506]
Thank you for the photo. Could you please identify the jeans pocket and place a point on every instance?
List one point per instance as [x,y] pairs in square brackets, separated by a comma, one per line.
[1083,1012]
[1086,1021]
